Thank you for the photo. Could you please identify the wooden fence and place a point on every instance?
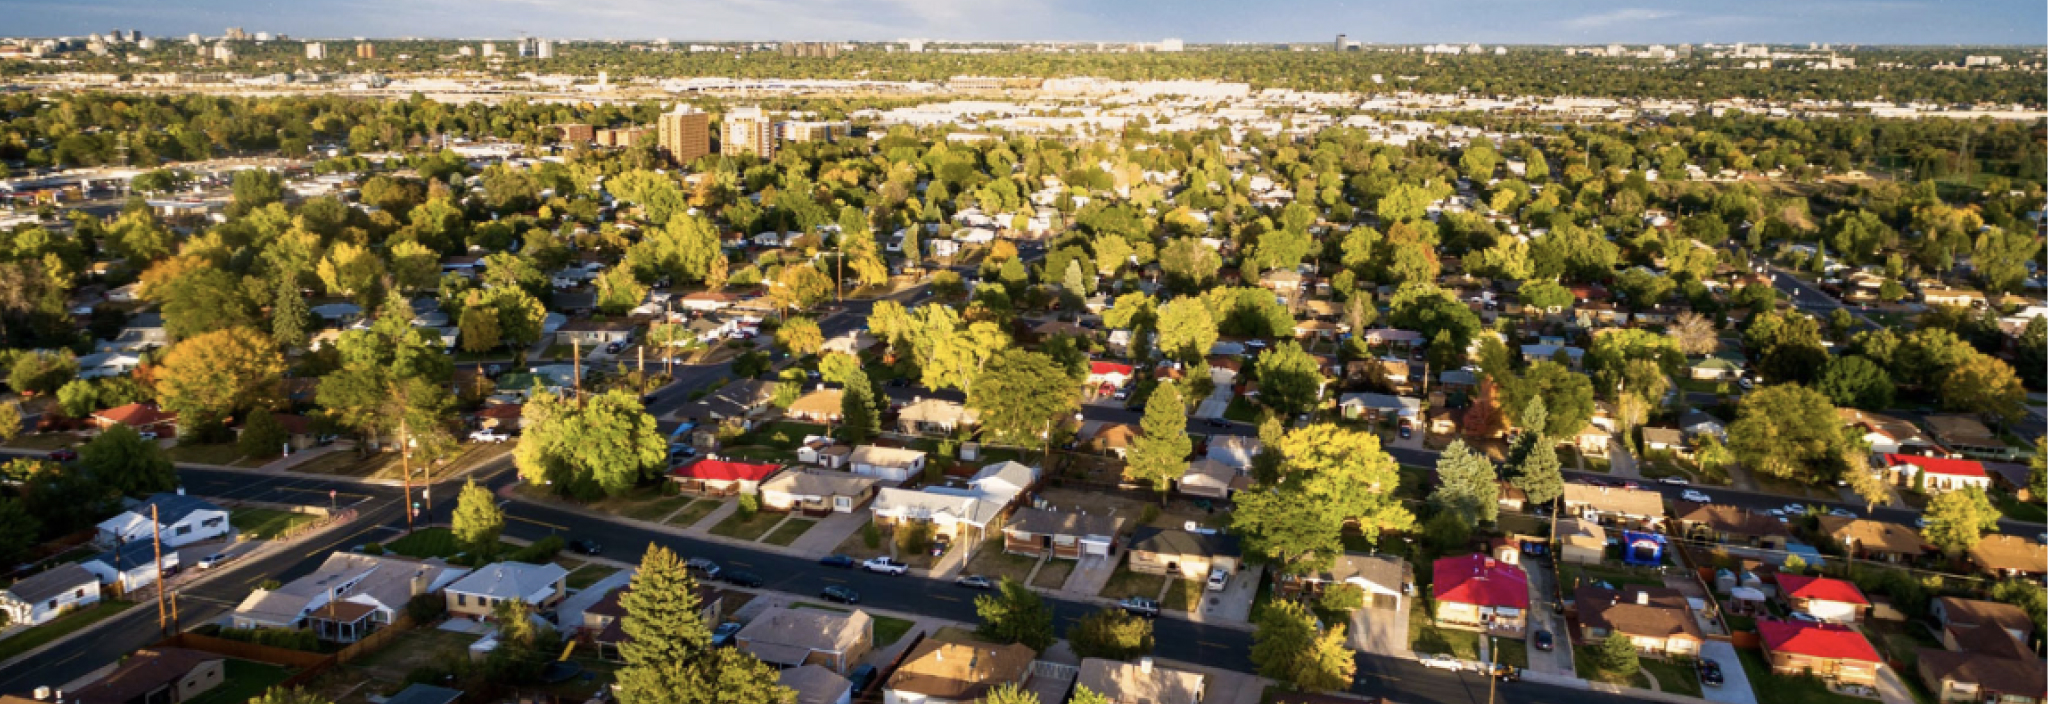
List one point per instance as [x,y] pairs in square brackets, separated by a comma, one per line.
[309,665]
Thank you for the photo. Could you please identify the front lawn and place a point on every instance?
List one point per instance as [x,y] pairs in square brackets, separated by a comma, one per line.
[745,527]
[1675,677]
[1425,637]
[1054,574]
[694,512]
[789,531]
[992,562]
[589,574]
[888,630]
[1241,410]
[1583,667]
[219,454]
[1511,651]
[243,680]
[657,509]
[265,524]
[1772,688]
[67,624]
[1183,595]
[43,441]
[435,542]
[2018,510]
[1124,582]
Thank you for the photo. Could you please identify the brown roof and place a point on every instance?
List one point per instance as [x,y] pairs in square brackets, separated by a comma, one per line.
[147,671]
[1728,519]
[961,671]
[1665,615]
[343,612]
[824,402]
[1977,612]
[1989,642]
[1617,500]
[2004,675]
[1038,521]
[2010,552]
[1113,436]
[1879,536]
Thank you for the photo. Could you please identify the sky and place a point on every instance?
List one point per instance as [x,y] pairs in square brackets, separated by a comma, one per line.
[2016,22]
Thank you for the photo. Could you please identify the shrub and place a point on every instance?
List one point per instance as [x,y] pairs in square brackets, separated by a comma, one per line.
[871,535]
[1343,597]
[1149,514]
[913,538]
[287,638]
[371,549]
[426,608]
[540,551]
[749,504]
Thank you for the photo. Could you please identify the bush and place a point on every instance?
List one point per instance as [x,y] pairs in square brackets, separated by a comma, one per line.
[871,535]
[426,608]
[287,638]
[913,538]
[540,551]
[1344,598]
[1147,515]
[749,505]
[371,549]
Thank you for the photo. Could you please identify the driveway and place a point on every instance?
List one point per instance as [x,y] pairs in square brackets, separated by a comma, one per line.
[1090,574]
[830,531]
[1736,689]
[1234,603]
[1382,631]
[1623,464]
[1542,597]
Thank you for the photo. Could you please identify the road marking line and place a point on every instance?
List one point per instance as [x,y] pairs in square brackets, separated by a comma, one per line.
[544,524]
[945,598]
[1207,644]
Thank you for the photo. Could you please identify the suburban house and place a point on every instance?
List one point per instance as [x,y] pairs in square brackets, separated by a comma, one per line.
[816,685]
[820,406]
[1385,580]
[1722,523]
[1107,377]
[1234,451]
[816,493]
[155,676]
[1827,599]
[1068,535]
[739,404]
[1187,554]
[1664,440]
[1477,591]
[1986,658]
[1715,368]
[1935,475]
[1967,435]
[1874,540]
[601,620]
[1956,614]
[595,333]
[889,464]
[1212,479]
[572,615]
[938,672]
[853,342]
[180,520]
[474,595]
[37,599]
[932,416]
[788,638]
[1886,434]
[2010,556]
[1832,652]
[131,565]
[717,477]
[1373,408]
[1141,681]
[1697,424]
[1580,541]
[502,416]
[963,513]
[1629,508]
[349,596]
[143,417]
[1656,619]
[1111,438]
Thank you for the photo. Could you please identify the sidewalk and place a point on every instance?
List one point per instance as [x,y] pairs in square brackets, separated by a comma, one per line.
[1630,692]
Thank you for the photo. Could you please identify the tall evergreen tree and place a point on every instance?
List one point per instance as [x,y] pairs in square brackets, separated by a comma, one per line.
[288,314]
[1160,454]
[857,416]
[668,655]
[1470,486]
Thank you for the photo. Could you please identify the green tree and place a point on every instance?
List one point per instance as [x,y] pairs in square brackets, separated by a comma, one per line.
[1342,598]
[262,435]
[1159,456]
[1084,695]
[1186,329]
[208,377]
[1854,381]
[19,530]
[42,372]
[1567,399]
[608,444]
[10,421]
[859,418]
[1288,647]
[121,460]
[289,315]
[1615,656]
[1538,473]
[1010,693]
[78,398]
[1471,486]
[1984,385]
[1328,478]
[1015,614]
[1957,520]
[1787,431]
[1021,396]
[1290,381]
[668,658]
[478,521]
[1111,633]
[800,336]
[479,323]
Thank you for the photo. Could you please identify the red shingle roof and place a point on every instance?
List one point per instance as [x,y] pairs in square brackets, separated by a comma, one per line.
[1481,580]
[136,415]
[1816,640]
[1799,586]
[724,470]
[1107,368]
[1937,465]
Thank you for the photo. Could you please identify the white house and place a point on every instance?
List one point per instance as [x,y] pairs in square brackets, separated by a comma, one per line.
[131,566]
[47,595]
[347,597]
[892,464]
[180,520]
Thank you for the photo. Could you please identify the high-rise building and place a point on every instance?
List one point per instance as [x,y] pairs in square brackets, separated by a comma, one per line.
[747,131]
[366,50]
[685,134]
[1343,42]
[814,131]
[145,44]
[543,49]
[914,46]
[223,53]
[194,39]
[236,34]
[577,132]
[465,51]
[624,137]
[262,36]
[316,51]
[490,49]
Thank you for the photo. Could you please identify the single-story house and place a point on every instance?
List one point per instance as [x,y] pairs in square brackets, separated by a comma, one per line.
[890,464]
[1954,613]
[789,638]
[816,685]
[131,565]
[1697,424]
[1141,681]
[38,598]
[1580,541]
[1874,540]
[1722,523]
[502,416]
[1656,619]
[1827,599]
[180,520]
[1974,677]
[347,597]
[155,676]
[595,333]
[1477,591]
[1832,652]
[1385,580]
[1068,535]
[1187,554]
[474,595]
[143,417]
[1935,475]
[961,513]
[719,477]
[1109,376]
[1715,369]
[1886,434]
[1370,407]
[816,492]
[932,416]
[1236,451]
[1633,508]
[820,406]
[1212,479]
[853,342]
[1967,435]
[1663,440]
[2010,556]
[940,672]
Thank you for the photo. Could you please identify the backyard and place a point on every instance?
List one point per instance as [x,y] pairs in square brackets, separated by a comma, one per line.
[265,524]
[243,680]
[67,624]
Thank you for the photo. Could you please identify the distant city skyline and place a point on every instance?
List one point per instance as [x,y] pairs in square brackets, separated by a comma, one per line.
[1921,22]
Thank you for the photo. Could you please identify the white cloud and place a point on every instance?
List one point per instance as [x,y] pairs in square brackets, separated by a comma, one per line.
[1613,18]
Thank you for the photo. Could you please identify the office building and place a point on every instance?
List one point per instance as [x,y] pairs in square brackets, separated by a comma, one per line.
[685,134]
[262,36]
[1342,42]
[316,51]
[747,131]
[810,50]
[194,39]
[366,50]
[236,34]
[914,46]
[543,49]
[624,137]
[223,53]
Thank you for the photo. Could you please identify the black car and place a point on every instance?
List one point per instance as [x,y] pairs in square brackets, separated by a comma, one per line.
[615,348]
[843,595]
[861,678]
[1710,673]
[840,561]
[741,578]
[586,547]
[1543,641]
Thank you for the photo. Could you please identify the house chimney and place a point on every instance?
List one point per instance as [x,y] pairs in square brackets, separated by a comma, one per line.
[1642,597]
[1145,665]
[43,694]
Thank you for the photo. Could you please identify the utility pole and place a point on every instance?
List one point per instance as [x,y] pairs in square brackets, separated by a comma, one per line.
[405,472]
[576,367]
[156,536]
[1492,677]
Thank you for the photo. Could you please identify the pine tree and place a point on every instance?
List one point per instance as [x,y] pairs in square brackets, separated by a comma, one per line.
[858,420]
[1160,454]
[478,520]
[1539,475]
[1015,614]
[667,636]
[1470,485]
[288,315]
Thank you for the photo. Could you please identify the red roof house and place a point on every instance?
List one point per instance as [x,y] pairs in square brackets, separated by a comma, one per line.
[1108,375]
[1827,599]
[1832,652]
[1937,474]
[143,417]
[1479,591]
[723,477]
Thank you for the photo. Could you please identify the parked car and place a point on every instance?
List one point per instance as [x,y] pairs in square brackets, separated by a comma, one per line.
[843,595]
[1803,616]
[840,561]
[1442,662]
[584,546]
[886,565]
[723,635]
[1710,673]
[975,581]
[1841,512]
[739,578]
[213,560]
[1745,383]
[940,545]
[1544,642]
[64,454]
[1673,481]
[615,348]
[1407,431]
[1795,509]
[1218,579]
[862,678]
[147,435]
[1139,606]
[1696,496]
[1630,485]
[1507,673]
[703,566]
[490,435]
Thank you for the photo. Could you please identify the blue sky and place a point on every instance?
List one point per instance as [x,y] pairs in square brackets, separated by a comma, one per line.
[1389,21]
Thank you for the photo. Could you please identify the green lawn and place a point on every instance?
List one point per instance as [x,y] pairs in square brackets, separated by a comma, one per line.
[789,531]
[589,574]
[992,562]
[2018,510]
[243,681]
[1425,637]
[744,527]
[434,542]
[694,512]
[657,509]
[1584,668]
[64,625]
[1510,651]
[1241,410]
[1124,582]
[43,441]
[1772,688]
[264,524]
[1183,595]
[1677,678]
[889,630]
[205,454]
[1054,574]
[782,435]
